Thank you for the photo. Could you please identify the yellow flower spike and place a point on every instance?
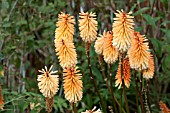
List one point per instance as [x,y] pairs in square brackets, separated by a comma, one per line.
[66,53]
[65,27]
[88,26]
[72,84]
[123,30]
[126,74]
[109,51]
[48,82]
[149,73]
[139,52]
[99,43]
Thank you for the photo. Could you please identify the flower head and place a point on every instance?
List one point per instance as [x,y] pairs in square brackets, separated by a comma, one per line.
[48,82]
[126,74]
[139,52]
[123,30]
[72,84]
[88,26]
[148,73]
[65,27]
[99,43]
[109,51]
[92,111]
[163,107]
[66,53]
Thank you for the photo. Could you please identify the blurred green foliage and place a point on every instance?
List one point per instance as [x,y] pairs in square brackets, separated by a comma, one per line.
[27,30]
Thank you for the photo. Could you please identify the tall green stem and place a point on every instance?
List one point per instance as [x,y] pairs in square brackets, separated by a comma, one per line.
[92,76]
[120,107]
[111,91]
[147,92]
[137,91]
[140,93]
[74,108]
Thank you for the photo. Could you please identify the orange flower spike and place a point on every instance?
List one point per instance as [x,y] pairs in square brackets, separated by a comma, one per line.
[126,74]
[139,52]
[109,51]
[163,107]
[126,71]
[149,73]
[123,30]
[99,43]
[72,84]
[66,53]
[65,27]
[118,78]
[88,26]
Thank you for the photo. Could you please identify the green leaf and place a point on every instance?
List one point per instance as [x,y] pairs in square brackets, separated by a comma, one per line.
[158,46]
[6,24]
[166,62]
[150,20]
[141,11]
[4,5]
[133,7]
[97,73]
[167,33]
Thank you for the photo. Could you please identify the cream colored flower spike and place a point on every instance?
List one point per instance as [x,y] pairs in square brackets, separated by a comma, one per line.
[48,82]
[88,26]
[65,27]
[139,52]
[109,51]
[149,73]
[123,30]
[66,53]
[73,84]
[99,43]
[92,111]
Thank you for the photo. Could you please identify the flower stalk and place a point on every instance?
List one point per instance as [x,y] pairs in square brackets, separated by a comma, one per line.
[88,45]
[140,93]
[74,108]
[137,90]
[110,89]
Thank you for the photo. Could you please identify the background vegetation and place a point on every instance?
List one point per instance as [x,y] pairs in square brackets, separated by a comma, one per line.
[27,30]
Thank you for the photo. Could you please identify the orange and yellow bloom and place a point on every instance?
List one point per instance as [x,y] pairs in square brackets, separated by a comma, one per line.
[72,84]
[48,82]
[126,77]
[88,26]
[149,73]
[66,53]
[139,52]
[109,51]
[123,30]
[99,43]
[65,27]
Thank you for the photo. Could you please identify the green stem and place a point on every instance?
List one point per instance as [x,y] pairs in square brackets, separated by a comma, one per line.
[137,91]
[74,108]
[111,91]
[120,107]
[140,93]
[126,100]
[92,76]
[147,93]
